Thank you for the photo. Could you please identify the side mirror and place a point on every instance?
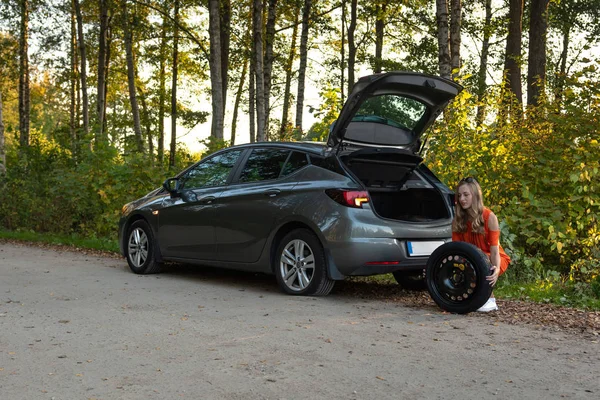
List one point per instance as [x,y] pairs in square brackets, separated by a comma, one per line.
[171,185]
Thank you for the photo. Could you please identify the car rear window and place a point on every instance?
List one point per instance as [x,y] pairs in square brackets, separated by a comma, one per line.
[264,164]
[296,161]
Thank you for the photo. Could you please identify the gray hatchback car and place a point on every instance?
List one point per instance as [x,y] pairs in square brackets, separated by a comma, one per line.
[310,213]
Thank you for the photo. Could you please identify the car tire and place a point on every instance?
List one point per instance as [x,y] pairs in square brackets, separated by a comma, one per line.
[300,266]
[456,277]
[410,280]
[140,250]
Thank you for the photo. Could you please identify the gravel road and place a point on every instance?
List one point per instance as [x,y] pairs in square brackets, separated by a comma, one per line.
[77,326]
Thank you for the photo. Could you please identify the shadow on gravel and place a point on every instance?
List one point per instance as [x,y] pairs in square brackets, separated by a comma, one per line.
[539,316]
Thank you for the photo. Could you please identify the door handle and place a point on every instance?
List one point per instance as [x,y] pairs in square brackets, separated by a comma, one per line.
[272,192]
[207,199]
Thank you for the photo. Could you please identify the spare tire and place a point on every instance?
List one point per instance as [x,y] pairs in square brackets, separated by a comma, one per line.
[456,277]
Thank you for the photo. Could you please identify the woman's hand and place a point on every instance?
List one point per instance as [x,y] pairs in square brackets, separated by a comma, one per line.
[493,277]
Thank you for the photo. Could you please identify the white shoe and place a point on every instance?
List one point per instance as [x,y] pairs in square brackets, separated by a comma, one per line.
[489,305]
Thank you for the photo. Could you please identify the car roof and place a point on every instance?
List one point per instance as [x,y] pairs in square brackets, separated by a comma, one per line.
[311,147]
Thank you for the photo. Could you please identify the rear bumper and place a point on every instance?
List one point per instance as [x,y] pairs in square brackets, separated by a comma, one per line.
[371,256]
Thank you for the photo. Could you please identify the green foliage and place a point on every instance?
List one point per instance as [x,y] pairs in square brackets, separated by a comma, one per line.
[46,191]
[539,174]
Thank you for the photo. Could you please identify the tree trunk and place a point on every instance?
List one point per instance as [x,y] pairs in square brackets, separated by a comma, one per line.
[343,55]
[225,40]
[269,39]
[562,76]
[482,74]
[73,85]
[536,65]
[102,42]
[443,38]
[288,79]
[252,98]
[455,22]
[303,58]
[82,72]
[512,63]
[380,10]
[216,80]
[135,110]
[174,87]
[147,125]
[24,98]
[106,75]
[161,91]
[259,65]
[2,152]
[351,45]
[236,106]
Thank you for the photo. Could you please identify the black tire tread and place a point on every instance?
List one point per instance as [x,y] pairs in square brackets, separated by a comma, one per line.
[479,260]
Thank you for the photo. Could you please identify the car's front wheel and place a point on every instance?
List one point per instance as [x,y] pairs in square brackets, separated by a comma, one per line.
[140,249]
[300,265]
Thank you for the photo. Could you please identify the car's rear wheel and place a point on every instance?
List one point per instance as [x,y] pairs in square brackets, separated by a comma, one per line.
[410,280]
[456,277]
[300,265]
[140,249]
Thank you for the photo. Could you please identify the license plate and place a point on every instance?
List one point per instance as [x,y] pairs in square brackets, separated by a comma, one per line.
[423,248]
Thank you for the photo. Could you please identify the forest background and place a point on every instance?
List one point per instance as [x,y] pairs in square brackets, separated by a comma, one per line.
[96,97]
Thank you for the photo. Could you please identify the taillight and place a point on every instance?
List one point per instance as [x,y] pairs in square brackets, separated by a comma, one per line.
[348,198]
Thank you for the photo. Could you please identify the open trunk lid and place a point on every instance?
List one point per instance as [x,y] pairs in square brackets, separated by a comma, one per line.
[392,109]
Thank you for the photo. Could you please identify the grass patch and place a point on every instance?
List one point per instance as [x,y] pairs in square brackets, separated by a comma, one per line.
[102,244]
[568,294]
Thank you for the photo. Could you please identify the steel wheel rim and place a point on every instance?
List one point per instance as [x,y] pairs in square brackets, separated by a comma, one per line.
[455,278]
[138,247]
[297,265]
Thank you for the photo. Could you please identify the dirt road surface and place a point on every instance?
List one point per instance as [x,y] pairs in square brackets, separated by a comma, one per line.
[77,326]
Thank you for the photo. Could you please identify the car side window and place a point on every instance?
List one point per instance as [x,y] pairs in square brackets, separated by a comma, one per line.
[212,172]
[263,165]
[296,161]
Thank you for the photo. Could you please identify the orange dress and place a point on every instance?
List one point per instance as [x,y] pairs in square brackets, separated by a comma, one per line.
[484,240]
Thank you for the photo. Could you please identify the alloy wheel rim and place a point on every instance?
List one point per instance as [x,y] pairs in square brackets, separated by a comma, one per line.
[138,247]
[297,265]
[455,278]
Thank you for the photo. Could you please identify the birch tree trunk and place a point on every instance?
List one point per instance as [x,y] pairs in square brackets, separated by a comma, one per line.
[216,80]
[83,69]
[482,74]
[135,110]
[238,97]
[455,23]
[259,65]
[351,45]
[24,89]
[102,55]
[303,58]
[443,38]
[536,65]
[288,79]
[174,86]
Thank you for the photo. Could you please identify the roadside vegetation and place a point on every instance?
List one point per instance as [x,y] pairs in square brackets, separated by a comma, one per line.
[69,161]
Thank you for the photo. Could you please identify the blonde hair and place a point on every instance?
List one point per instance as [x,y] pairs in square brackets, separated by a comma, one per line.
[474,213]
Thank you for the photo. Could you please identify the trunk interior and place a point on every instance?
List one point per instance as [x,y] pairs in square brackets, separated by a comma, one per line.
[399,193]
